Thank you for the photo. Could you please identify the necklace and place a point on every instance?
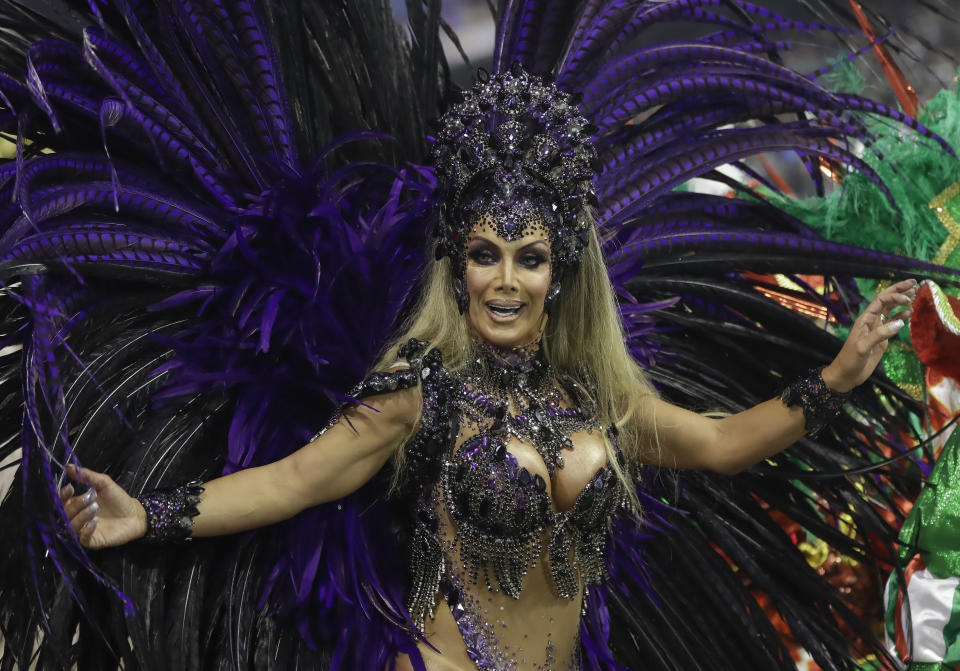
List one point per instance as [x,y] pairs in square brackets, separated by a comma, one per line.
[514,391]
[505,521]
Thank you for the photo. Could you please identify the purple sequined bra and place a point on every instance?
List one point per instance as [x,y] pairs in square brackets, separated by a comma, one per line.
[459,469]
[502,513]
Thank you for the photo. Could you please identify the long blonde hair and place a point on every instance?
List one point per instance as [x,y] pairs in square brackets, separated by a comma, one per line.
[583,337]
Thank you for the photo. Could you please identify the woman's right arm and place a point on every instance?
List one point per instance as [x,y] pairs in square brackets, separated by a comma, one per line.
[337,463]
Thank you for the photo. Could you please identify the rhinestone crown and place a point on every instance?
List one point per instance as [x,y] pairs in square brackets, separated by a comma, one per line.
[515,150]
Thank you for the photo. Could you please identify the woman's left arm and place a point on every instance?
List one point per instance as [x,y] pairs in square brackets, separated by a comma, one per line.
[728,445]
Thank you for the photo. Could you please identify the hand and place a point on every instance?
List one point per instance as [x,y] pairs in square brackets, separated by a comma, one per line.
[104,515]
[864,347]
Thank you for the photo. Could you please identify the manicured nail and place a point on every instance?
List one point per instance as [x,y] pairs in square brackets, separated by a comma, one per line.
[895,325]
[89,496]
[91,524]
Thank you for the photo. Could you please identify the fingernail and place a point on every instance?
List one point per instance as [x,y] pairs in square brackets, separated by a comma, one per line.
[91,524]
[89,496]
[895,325]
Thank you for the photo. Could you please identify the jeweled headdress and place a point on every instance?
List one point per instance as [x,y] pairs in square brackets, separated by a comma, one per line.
[515,150]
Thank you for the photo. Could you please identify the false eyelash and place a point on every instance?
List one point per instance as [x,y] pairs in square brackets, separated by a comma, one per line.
[481,255]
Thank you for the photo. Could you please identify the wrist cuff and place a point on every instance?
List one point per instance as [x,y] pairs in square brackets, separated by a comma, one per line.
[170,513]
[820,403]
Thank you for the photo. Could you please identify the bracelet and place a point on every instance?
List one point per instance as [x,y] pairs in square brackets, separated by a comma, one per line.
[170,513]
[820,403]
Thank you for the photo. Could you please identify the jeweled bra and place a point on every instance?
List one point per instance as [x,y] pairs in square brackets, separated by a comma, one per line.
[501,511]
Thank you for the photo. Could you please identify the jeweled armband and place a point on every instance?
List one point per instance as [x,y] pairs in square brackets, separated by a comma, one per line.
[820,403]
[170,512]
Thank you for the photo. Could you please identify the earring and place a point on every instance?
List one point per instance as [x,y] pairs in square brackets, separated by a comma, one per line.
[552,292]
[461,294]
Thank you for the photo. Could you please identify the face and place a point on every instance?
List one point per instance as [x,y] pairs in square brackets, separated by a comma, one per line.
[507,282]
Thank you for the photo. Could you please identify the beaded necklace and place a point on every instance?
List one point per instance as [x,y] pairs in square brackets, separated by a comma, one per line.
[517,390]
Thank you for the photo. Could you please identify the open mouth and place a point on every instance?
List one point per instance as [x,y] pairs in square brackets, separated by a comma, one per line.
[504,311]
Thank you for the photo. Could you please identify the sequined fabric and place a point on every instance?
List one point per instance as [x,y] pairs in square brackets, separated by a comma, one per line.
[170,513]
[482,522]
[506,394]
[502,512]
[820,403]
[515,147]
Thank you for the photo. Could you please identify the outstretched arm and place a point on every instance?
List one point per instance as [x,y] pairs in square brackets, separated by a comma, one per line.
[728,445]
[332,466]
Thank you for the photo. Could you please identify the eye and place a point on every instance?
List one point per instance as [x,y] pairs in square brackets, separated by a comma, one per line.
[482,256]
[533,260]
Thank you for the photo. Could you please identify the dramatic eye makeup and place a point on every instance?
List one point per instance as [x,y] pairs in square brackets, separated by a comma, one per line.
[534,256]
[484,252]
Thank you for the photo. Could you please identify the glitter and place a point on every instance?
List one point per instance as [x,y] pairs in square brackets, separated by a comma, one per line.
[170,513]
[515,152]
[820,403]
[481,520]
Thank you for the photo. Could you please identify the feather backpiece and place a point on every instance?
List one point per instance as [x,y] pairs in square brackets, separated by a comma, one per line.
[666,112]
[211,209]
[212,224]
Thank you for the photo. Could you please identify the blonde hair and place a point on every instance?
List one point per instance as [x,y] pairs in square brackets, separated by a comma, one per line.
[584,341]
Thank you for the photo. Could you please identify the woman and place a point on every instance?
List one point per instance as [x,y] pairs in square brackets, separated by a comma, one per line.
[513,413]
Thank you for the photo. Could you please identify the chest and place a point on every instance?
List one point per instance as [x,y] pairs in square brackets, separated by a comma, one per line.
[510,497]
[586,456]
[526,458]
[550,430]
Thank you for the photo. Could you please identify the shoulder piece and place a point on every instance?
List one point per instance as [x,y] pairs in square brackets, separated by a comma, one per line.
[438,421]
[385,381]
[400,378]
[392,380]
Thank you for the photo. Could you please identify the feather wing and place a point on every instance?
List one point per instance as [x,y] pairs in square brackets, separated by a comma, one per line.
[711,337]
[199,208]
